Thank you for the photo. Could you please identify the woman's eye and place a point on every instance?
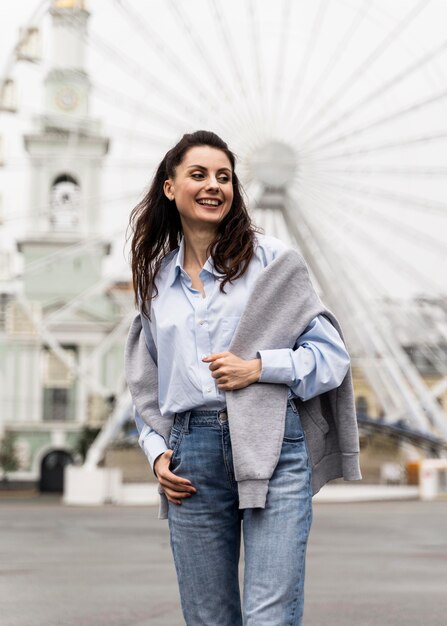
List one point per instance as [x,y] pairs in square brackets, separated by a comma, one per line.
[224,179]
[197,175]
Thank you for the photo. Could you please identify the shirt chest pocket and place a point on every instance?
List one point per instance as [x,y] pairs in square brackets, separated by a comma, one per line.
[227,329]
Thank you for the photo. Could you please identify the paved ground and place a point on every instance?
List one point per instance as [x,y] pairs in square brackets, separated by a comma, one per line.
[369,564]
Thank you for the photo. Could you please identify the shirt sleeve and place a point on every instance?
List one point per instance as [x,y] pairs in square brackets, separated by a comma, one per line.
[149,440]
[318,362]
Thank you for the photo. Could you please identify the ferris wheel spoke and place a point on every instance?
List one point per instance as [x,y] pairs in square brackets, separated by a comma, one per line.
[256,57]
[300,77]
[372,96]
[385,220]
[406,200]
[343,221]
[398,115]
[163,48]
[342,47]
[365,65]
[278,81]
[366,150]
[123,101]
[240,83]
[207,97]
[203,54]
[420,172]
[131,68]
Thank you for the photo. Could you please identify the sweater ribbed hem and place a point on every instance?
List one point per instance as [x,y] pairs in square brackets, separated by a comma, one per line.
[351,466]
[333,466]
[252,493]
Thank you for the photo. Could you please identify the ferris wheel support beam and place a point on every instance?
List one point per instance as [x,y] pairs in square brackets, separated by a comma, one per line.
[371,365]
[424,396]
[54,345]
[119,332]
[373,326]
[110,429]
[371,281]
[382,373]
[357,320]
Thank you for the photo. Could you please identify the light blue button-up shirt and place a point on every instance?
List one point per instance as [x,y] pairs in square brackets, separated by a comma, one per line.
[185,326]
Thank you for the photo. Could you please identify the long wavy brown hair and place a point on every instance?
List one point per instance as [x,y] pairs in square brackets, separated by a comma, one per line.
[157,229]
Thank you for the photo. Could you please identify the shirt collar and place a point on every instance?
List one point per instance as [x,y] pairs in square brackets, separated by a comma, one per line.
[177,264]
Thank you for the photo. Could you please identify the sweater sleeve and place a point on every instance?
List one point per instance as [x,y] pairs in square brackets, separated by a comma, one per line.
[317,363]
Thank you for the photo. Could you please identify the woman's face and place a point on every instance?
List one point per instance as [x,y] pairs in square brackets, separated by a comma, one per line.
[202,186]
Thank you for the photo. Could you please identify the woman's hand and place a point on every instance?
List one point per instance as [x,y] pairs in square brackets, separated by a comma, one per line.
[232,372]
[175,487]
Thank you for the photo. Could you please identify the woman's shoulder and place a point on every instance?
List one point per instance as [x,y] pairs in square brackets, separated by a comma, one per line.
[267,248]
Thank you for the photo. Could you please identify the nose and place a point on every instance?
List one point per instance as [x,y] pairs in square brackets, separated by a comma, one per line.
[213,184]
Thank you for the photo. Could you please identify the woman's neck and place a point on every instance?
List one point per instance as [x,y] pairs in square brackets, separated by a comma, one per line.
[196,247]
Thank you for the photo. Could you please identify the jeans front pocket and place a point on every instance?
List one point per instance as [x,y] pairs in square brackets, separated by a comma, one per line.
[293,430]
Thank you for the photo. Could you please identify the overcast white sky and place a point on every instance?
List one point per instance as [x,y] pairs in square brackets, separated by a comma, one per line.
[291,72]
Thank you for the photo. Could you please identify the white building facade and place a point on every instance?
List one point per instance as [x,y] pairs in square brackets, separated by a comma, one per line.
[59,369]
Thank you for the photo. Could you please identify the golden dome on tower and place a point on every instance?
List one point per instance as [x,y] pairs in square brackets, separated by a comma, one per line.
[69,4]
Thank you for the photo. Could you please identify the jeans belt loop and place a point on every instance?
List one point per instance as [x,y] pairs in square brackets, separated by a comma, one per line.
[185,428]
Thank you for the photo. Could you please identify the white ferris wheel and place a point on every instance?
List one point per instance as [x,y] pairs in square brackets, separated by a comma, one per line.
[336,112]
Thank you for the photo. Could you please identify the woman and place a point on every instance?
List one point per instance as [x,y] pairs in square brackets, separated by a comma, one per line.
[198,269]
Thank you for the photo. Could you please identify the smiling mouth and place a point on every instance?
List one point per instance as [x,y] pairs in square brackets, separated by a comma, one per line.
[213,203]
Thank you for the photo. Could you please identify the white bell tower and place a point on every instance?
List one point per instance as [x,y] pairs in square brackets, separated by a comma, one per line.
[67,149]
[66,153]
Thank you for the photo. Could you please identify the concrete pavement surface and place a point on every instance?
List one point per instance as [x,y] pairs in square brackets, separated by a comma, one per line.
[369,564]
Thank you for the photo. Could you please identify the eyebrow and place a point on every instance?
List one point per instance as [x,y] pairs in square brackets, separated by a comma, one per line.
[201,167]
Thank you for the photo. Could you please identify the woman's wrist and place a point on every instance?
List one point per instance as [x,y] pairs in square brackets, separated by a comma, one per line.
[256,369]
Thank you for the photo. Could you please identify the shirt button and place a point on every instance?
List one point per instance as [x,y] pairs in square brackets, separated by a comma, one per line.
[208,389]
[201,322]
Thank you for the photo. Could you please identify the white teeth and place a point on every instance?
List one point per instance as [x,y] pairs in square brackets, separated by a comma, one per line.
[209,202]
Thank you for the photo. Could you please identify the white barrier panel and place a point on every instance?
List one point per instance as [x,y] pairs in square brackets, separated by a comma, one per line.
[432,478]
[92,486]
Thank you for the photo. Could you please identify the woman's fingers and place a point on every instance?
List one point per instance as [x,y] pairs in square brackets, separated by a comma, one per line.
[175,487]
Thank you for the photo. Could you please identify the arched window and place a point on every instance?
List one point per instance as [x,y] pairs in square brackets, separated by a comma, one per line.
[361,405]
[65,196]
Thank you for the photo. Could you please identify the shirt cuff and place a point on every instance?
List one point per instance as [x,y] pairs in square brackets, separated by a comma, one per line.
[277,366]
[152,444]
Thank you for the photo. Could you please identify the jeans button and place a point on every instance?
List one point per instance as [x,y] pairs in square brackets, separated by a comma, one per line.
[223,416]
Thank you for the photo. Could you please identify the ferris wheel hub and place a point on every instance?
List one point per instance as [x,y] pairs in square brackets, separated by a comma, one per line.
[274,164]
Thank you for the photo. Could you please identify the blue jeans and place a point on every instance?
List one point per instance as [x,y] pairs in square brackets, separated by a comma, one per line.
[205,529]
